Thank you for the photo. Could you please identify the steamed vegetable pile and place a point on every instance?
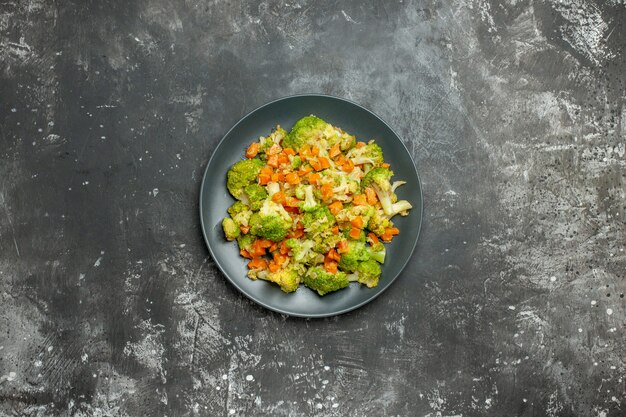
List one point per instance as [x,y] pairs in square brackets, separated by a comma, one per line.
[314,206]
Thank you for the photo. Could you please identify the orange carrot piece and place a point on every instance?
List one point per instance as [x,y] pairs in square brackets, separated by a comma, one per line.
[342,246]
[371,196]
[330,266]
[283,158]
[315,150]
[253,150]
[355,233]
[373,239]
[392,231]
[304,170]
[334,151]
[335,207]
[283,247]
[292,178]
[357,222]
[324,162]
[266,170]
[264,179]
[313,178]
[333,255]
[273,247]
[273,161]
[279,197]
[327,191]
[335,230]
[274,150]
[244,229]
[245,253]
[385,165]
[291,202]
[348,166]
[296,234]
[273,266]
[257,263]
[315,164]
[360,144]
[360,200]
[289,151]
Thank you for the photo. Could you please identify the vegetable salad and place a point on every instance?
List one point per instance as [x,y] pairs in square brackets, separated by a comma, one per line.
[314,207]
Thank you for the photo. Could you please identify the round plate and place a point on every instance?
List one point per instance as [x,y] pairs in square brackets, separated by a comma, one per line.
[215,199]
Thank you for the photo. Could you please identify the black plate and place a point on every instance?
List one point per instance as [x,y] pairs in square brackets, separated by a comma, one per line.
[215,199]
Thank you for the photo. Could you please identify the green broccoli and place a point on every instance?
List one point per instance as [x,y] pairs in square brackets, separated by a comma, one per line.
[378,179]
[378,223]
[357,252]
[256,195]
[274,138]
[325,241]
[296,161]
[309,202]
[368,154]
[240,213]
[347,141]
[318,279]
[231,229]
[302,251]
[271,222]
[242,174]
[318,220]
[377,252]
[287,278]
[368,273]
[306,130]
[245,242]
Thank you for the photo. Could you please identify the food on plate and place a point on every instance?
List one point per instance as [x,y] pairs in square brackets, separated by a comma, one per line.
[314,207]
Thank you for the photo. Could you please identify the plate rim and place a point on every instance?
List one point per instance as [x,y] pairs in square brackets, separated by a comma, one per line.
[257,299]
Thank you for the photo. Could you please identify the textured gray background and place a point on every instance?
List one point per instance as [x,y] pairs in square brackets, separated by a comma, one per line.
[512,304]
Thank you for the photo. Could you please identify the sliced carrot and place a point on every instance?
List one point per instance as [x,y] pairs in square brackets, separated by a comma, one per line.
[355,233]
[273,161]
[304,153]
[324,162]
[360,144]
[257,263]
[340,160]
[289,151]
[244,229]
[348,166]
[335,207]
[273,247]
[360,200]
[278,177]
[292,178]
[283,158]
[279,197]
[273,266]
[266,170]
[299,225]
[315,164]
[315,150]
[327,191]
[313,178]
[253,150]
[245,253]
[333,255]
[371,196]
[304,170]
[357,222]
[372,238]
[330,266]
[335,230]
[385,165]
[274,150]
[283,247]
[386,237]
[294,210]
[264,179]
[334,151]
[342,246]
[264,243]
[279,259]
[392,231]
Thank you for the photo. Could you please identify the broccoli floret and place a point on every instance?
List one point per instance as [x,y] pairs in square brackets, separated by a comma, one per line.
[368,273]
[256,195]
[237,208]
[318,220]
[296,161]
[378,252]
[302,251]
[309,202]
[287,278]
[231,229]
[378,223]
[318,279]
[325,241]
[357,252]
[368,154]
[242,174]
[347,141]
[245,242]
[378,180]
[306,130]
[300,192]
[271,222]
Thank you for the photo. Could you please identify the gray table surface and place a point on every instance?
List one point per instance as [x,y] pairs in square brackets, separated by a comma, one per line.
[512,304]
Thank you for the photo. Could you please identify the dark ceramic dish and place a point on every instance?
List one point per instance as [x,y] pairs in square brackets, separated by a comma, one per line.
[215,199]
